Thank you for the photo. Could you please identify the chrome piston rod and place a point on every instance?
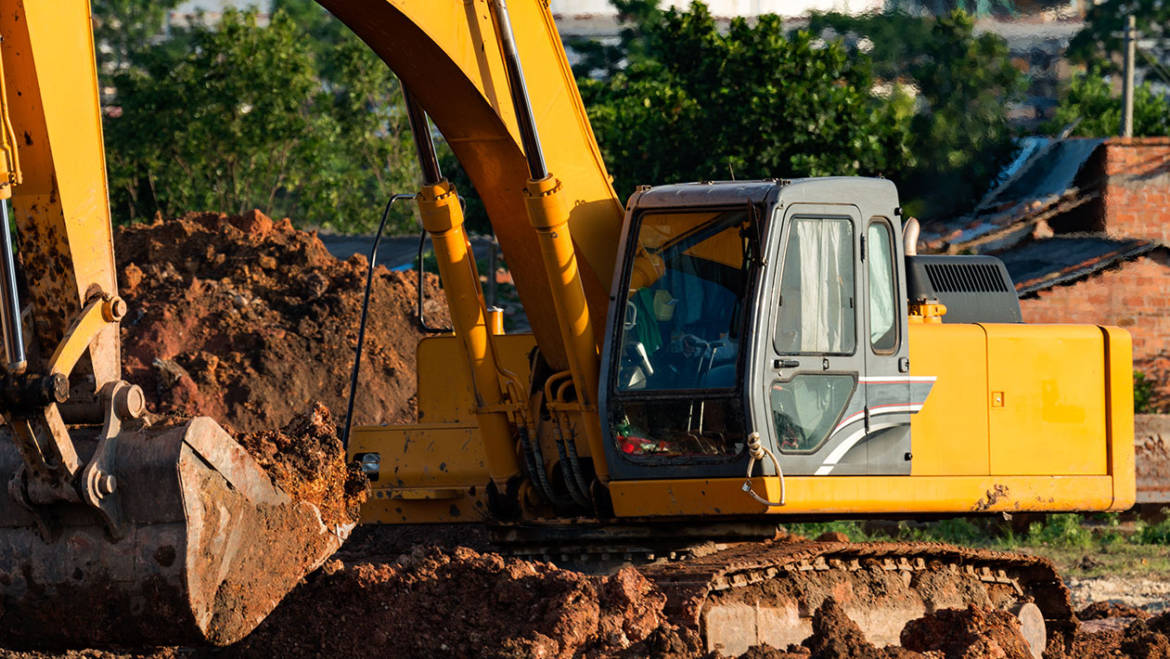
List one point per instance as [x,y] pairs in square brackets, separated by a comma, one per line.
[15,361]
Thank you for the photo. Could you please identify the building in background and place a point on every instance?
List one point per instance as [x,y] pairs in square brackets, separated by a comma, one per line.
[211,10]
[1083,226]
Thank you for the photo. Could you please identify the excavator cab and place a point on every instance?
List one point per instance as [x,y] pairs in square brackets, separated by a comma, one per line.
[768,307]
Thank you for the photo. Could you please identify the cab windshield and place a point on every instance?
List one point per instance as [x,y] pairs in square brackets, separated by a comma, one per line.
[684,307]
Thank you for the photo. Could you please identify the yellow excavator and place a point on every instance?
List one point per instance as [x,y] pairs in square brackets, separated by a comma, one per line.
[706,362]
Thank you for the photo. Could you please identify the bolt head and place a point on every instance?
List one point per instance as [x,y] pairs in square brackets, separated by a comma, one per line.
[56,388]
[130,402]
[118,308]
[108,484]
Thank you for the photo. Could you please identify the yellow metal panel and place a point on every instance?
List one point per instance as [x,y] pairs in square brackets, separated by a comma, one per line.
[949,436]
[429,473]
[447,54]
[445,391]
[61,209]
[1052,378]
[1119,360]
[843,495]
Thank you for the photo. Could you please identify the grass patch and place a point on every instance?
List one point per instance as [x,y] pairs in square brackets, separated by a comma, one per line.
[1095,544]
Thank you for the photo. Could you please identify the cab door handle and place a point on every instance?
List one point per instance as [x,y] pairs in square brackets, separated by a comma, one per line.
[785,363]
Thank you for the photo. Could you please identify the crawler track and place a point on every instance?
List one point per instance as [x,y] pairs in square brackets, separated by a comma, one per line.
[767,592]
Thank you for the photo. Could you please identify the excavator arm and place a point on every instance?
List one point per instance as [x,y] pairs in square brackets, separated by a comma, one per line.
[447,53]
[105,517]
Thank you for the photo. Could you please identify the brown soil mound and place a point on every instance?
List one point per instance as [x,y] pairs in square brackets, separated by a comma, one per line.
[248,321]
[306,460]
[1144,637]
[1101,610]
[968,633]
[440,602]
[836,636]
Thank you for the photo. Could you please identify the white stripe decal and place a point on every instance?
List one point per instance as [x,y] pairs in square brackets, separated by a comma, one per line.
[892,379]
[848,444]
[875,411]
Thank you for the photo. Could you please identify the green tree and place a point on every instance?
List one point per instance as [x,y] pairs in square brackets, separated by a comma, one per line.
[700,103]
[124,28]
[960,134]
[1090,103]
[893,40]
[603,60]
[1099,44]
[246,116]
[690,102]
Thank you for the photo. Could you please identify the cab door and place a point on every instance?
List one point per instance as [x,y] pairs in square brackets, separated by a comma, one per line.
[812,389]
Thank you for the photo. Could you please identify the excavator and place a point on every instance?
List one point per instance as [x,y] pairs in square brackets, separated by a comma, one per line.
[706,361]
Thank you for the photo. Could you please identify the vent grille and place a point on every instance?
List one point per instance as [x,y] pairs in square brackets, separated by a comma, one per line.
[965,278]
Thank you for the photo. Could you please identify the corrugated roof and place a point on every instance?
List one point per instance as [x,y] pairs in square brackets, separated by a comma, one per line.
[1050,171]
[1036,186]
[1045,263]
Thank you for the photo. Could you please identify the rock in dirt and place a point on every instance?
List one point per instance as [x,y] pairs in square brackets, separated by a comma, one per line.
[248,320]
[442,602]
[971,633]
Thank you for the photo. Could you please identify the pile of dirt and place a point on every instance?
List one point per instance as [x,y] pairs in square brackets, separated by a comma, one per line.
[459,602]
[968,633]
[249,320]
[307,461]
[836,635]
[1103,610]
[1139,635]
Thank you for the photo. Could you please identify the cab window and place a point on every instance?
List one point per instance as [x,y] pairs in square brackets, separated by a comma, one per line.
[816,305]
[883,330]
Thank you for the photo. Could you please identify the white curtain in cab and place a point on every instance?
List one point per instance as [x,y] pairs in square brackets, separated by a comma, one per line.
[826,274]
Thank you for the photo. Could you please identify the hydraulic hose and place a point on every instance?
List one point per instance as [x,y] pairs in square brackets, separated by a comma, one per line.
[756,453]
[357,356]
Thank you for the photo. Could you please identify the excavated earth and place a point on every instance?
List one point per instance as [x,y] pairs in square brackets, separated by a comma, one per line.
[253,323]
[250,321]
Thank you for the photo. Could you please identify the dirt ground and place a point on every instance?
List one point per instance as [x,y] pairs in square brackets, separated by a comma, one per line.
[253,323]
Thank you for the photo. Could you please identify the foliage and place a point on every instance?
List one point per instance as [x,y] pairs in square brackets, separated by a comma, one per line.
[851,528]
[604,60]
[961,136]
[893,40]
[1143,394]
[749,103]
[1060,530]
[245,116]
[752,102]
[1090,102]
[1156,534]
[121,29]
[1100,41]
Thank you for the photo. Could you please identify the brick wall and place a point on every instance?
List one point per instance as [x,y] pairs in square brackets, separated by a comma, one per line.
[1137,192]
[1134,295]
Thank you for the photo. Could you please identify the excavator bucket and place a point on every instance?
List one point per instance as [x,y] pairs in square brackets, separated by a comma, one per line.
[208,547]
